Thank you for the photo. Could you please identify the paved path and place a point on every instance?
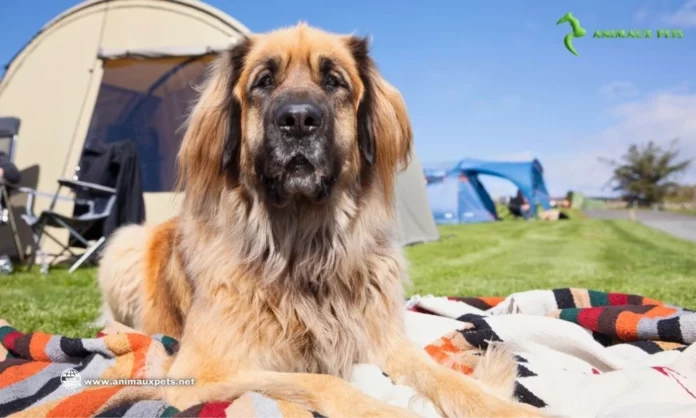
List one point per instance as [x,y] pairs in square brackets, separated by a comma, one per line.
[683,226]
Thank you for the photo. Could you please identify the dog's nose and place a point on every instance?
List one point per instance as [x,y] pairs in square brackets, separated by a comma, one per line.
[298,119]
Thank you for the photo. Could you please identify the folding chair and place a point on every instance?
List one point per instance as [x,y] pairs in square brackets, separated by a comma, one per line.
[9,129]
[98,202]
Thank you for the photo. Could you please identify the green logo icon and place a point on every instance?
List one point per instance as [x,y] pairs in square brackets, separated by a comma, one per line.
[578,31]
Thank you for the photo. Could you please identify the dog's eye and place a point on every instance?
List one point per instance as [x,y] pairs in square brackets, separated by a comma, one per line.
[332,82]
[265,81]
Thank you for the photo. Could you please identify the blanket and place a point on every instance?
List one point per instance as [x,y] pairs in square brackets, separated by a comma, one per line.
[579,353]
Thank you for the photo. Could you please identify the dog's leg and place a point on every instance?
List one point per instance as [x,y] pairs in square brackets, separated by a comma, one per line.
[453,393]
[224,367]
[328,395]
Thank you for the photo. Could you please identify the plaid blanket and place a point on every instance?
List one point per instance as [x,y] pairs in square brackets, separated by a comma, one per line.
[579,352]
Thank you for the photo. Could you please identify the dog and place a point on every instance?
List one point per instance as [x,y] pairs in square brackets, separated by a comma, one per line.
[282,269]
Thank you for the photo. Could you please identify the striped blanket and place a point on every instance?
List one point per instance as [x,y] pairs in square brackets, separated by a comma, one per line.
[579,352]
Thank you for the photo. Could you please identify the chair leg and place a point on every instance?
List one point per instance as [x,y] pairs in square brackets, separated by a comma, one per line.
[7,212]
[44,262]
[36,245]
[87,254]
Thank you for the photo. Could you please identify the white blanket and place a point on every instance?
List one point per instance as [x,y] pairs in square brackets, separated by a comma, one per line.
[562,368]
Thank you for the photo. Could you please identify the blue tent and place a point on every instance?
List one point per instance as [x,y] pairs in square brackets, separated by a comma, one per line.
[459,199]
[457,196]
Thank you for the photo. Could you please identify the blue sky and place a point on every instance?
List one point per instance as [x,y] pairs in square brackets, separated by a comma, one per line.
[492,79]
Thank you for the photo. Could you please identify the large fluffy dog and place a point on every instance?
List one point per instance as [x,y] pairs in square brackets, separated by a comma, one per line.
[281,270]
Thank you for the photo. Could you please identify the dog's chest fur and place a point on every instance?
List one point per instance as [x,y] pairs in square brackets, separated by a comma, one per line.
[324,330]
[307,302]
[303,331]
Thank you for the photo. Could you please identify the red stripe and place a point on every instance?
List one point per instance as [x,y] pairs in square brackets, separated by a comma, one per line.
[422,310]
[214,410]
[668,372]
[589,318]
[618,299]
[10,338]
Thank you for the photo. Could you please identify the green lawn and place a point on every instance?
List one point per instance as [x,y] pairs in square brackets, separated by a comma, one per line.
[470,260]
[497,259]
[55,303]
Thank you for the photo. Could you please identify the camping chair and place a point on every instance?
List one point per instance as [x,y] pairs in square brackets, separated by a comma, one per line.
[97,201]
[9,129]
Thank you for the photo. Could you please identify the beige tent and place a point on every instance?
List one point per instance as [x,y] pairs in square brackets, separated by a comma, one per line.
[105,71]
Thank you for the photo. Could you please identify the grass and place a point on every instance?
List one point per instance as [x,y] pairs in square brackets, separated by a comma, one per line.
[501,258]
[55,303]
[469,260]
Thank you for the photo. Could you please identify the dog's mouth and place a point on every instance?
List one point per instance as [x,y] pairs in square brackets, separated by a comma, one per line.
[299,165]
[299,179]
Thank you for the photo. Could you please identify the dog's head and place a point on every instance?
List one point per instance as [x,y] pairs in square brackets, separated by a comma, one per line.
[295,116]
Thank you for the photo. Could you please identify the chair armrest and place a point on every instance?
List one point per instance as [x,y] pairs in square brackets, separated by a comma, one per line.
[91,188]
[33,193]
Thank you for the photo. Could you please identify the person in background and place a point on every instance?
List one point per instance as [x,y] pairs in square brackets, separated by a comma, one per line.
[8,171]
[519,206]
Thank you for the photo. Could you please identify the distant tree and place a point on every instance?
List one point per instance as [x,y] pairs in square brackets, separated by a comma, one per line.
[645,173]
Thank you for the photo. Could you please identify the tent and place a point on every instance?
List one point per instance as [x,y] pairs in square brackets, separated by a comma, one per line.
[528,176]
[416,223]
[456,194]
[460,199]
[113,70]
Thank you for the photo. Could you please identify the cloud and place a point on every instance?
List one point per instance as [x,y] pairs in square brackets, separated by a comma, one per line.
[659,117]
[618,90]
[685,16]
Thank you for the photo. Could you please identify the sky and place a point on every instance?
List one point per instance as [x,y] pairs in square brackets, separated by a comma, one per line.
[493,79]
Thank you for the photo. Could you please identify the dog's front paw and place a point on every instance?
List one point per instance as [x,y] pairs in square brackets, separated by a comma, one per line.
[378,409]
[460,396]
[181,398]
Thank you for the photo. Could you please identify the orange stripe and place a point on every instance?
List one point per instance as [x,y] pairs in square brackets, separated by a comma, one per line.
[37,346]
[17,373]
[627,325]
[446,353]
[463,368]
[436,352]
[139,344]
[492,300]
[448,345]
[84,404]
[660,311]
[651,301]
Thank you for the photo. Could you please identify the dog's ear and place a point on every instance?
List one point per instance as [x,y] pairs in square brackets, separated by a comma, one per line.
[230,152]
[214,130]
[366,138]
[385,137]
